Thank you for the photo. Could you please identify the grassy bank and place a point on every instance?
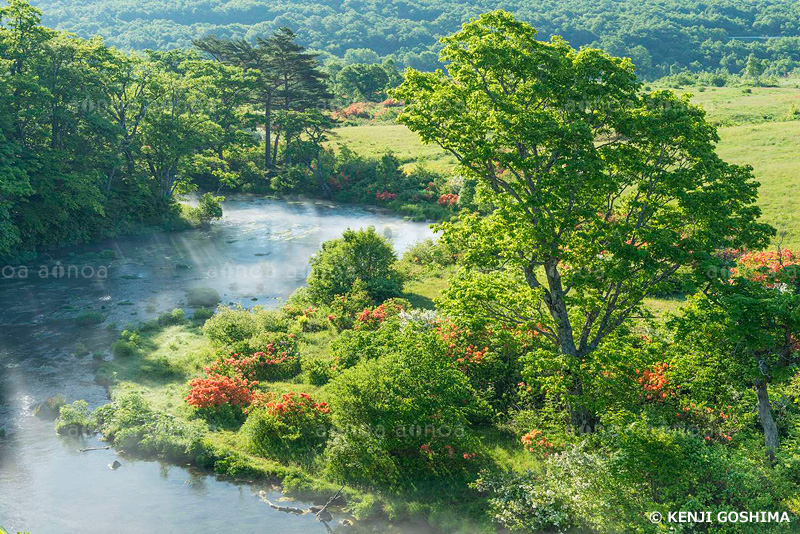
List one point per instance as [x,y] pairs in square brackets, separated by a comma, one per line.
[148,381]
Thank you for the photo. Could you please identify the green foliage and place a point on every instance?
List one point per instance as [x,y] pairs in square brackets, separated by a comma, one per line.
[90,318]
[415,406]
[230,325]
[75,419]
[357,255]
[660,37]
[131,424]
[205,297]
[292,426]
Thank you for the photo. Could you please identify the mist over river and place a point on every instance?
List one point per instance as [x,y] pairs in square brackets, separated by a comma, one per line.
[256,255]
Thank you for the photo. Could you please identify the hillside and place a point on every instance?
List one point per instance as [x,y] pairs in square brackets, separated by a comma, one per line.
[660,36]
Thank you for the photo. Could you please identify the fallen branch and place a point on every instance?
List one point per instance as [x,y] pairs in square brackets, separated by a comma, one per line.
[95,449]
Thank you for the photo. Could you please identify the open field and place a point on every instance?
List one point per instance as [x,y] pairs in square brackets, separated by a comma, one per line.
[730,106]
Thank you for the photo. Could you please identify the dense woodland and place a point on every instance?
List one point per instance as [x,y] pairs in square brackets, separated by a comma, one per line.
[99,142]
[661,37]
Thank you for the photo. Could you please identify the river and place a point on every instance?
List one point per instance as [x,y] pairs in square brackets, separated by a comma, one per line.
[256,255]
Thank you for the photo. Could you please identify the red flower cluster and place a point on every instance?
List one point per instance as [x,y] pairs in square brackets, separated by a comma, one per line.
[769,268]
[372,319]
[216,390]
[535,441]
[459,347]
[448,199]
[385,195]
[294,405]
[357,109]
[654,382]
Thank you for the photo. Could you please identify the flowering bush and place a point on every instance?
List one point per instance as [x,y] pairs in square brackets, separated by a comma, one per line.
[279,358]
[371,319]
[290,425]
[713,424]
[772,268]
[385,195]
[216,390]
[354,110]
[459,347]
[536,442]
[448,199]
[654,383]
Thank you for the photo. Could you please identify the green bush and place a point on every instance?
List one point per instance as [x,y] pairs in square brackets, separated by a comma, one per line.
[292,426]
[269,356]
[202,314]
[318,372]
[75,419]
[175,317]
[359,457]
[230,325]
[361,254]
[415,403]
[90,318]
[131,424]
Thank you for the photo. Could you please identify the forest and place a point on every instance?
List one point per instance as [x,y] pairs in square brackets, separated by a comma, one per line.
[602,335]
[662,37]
[99,142]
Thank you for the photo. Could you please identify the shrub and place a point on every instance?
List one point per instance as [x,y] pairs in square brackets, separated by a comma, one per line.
[430,252]
[131,424]
[75,419]
[202,297]
[518,501]
[203,314]
[291,426]
[318,372]
[415,402]
[353,346]
[175,317]
[361,254]
[221,398]
[230,325]
[345,308]
[124,349]
[266,356]
[372,319]
[360,457]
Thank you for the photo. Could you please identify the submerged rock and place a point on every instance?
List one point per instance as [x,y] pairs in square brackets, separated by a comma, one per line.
[115,465]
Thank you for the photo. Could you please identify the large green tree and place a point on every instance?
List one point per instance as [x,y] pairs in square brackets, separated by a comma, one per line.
[601,191]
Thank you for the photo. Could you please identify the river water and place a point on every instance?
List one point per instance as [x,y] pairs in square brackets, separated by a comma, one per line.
[256,255]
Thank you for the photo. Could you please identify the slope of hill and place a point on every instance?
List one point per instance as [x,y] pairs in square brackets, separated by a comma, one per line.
[662,36]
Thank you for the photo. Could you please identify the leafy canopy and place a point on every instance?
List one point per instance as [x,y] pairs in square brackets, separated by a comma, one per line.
[600,191]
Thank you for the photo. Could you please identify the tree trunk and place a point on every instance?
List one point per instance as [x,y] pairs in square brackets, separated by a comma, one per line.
[267,133]
[771,441]
[275,147]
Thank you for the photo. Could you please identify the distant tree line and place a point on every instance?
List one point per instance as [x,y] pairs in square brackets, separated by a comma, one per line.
[662,37]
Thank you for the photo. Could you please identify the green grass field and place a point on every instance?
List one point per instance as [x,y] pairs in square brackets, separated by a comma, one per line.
[730,106]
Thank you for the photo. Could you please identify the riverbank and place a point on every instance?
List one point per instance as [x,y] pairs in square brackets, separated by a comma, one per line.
[150,417]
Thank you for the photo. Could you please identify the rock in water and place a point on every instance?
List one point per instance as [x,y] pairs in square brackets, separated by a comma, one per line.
[115,465]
